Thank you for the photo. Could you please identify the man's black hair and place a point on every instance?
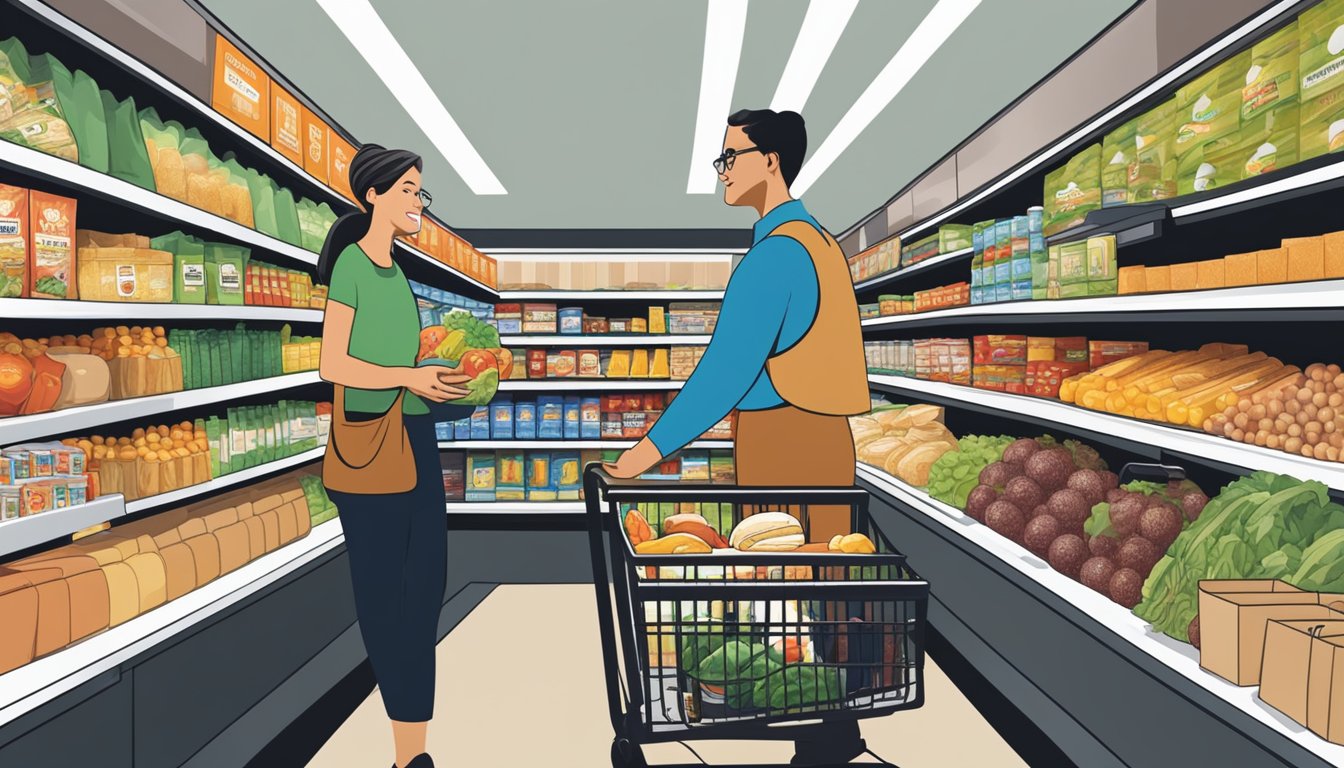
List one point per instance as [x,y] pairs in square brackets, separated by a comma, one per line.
[783,133]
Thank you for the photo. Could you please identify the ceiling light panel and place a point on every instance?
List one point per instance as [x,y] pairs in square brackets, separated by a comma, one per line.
[365,30]
[821,30]
[725,27]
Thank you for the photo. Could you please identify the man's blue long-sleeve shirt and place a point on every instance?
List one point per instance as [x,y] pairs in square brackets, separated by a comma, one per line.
[770,303]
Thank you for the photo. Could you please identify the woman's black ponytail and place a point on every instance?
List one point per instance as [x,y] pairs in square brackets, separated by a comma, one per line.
[372,167]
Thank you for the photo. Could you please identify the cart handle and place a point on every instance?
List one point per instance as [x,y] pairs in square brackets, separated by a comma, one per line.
[612,489]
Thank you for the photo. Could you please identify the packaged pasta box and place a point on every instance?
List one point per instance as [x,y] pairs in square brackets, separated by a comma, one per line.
[51,263]
[1074,190]
[1272,76]
[510,483]
[480,476]
[1117,152]
[14,237]
[1152,174]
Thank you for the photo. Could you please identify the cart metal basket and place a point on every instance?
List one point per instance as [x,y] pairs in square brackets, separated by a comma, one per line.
[748,645]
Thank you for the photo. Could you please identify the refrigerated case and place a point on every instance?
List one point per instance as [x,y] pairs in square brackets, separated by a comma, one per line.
[234,665]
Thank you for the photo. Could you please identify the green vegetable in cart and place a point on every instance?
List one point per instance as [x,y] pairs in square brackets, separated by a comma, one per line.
[799,688]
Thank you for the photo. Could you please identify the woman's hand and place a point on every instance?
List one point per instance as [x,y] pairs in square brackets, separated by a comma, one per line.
[635,461]
[436,383]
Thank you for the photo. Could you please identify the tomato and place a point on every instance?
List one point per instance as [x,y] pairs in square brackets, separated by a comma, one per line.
[429,340]
[477,361]
[505,362]
[792,650]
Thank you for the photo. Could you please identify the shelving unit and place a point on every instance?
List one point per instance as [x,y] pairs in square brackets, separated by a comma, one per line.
[602,340]
[564,445]
[882,281]
[1321,300]
[1110,624]
[20,428]
[433,262]
[23,309]
[612,295]
[588,385]
[80,180]
[223,482]
[25,532]
[507,508]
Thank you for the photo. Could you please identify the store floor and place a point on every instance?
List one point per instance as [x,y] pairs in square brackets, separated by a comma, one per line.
[520,683]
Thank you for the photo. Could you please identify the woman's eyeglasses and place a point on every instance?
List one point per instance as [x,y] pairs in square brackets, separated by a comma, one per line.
[426,199]
[725,161]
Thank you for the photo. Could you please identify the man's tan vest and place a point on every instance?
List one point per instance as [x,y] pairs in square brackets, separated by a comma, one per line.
[825,372]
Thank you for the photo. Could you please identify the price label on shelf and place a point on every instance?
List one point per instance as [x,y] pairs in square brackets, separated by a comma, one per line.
[241,91]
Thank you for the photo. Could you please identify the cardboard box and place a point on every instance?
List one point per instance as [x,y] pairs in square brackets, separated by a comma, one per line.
[1271,266]
[1232,618]
[340,152]
[1239,269]
[1184,277]
[1210,274]
[1306,258]
[315,144]
[1334,255]
[1157,279]
[286,124]
[1131,280]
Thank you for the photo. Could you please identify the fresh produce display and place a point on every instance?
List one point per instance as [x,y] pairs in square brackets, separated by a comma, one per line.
[956,473]
[1303,416]
[1181,388]
[108,578]
[320,507]
[903,440]
[1263,526]
[467,345]
[149,461]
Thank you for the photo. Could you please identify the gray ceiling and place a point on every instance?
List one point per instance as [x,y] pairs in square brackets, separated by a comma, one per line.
[585,109]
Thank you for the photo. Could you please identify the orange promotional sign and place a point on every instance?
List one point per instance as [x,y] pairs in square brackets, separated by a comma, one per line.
[286,124]
[241,91]
[315,144]
[341,152]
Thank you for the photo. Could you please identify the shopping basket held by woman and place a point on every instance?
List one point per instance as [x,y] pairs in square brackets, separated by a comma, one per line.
[382,462]
[787,351]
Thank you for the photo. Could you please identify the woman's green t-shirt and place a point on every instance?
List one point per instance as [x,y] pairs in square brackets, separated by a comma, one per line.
[386,330]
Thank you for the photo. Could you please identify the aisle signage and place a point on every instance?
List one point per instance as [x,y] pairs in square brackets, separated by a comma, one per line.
[286,124]
[241,91]
[315,147]
[339,152]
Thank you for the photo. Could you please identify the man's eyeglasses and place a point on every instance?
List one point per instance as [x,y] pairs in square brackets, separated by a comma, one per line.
[426,199]
[725,161]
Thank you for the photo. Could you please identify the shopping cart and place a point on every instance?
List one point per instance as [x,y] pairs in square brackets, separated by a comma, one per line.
[793,646]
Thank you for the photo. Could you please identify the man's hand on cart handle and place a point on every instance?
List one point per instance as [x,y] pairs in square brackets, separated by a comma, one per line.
[636,461]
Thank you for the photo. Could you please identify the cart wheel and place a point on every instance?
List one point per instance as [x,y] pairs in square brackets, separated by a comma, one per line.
[626,754]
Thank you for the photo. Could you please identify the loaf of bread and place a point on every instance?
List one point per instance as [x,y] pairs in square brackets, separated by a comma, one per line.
[85,583]
[270,522]
[289,529]
[205,551]
[220,518]
[123,593]
[256,536]
[150,579]
[179,567]
[234,548]
[18,615]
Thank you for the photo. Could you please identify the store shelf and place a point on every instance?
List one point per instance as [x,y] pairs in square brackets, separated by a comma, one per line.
[171,89]
[588,385]
[1057,150]
[25,532]
[46,679]
[473,282]
[1295,181]
[1126,433]
[611,295]
[602,340]
[47,309]
[566,445]
[1110,623]
[19,428]
[1321,300]
[80,180]
[895,276]
[226,481]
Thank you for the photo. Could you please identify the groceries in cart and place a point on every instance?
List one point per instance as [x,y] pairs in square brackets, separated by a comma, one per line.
[692,534]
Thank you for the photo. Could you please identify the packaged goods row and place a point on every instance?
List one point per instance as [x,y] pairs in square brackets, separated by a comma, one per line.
[441,245]
[569,417]
[1223,389]
[52,110]
[41,477]
[534,364]
[518,475]
[889,255]
[1297,259]
[51,600]
[548,319]
[435,302]
[1261,110]
[123,362]
[650,275]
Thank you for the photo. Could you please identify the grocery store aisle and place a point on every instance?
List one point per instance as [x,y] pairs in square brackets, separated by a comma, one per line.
[520,683]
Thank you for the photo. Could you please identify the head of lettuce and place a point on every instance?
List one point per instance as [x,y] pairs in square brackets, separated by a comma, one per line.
[470,347]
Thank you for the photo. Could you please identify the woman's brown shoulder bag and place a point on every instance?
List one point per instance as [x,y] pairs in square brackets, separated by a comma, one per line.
[368,456]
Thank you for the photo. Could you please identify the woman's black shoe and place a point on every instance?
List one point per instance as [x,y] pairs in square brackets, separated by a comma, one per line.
[422,760]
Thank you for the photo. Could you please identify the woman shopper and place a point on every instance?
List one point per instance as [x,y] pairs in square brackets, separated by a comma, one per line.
[382,463]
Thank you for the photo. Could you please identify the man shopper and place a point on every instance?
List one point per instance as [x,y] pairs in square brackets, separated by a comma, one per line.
[787,352]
